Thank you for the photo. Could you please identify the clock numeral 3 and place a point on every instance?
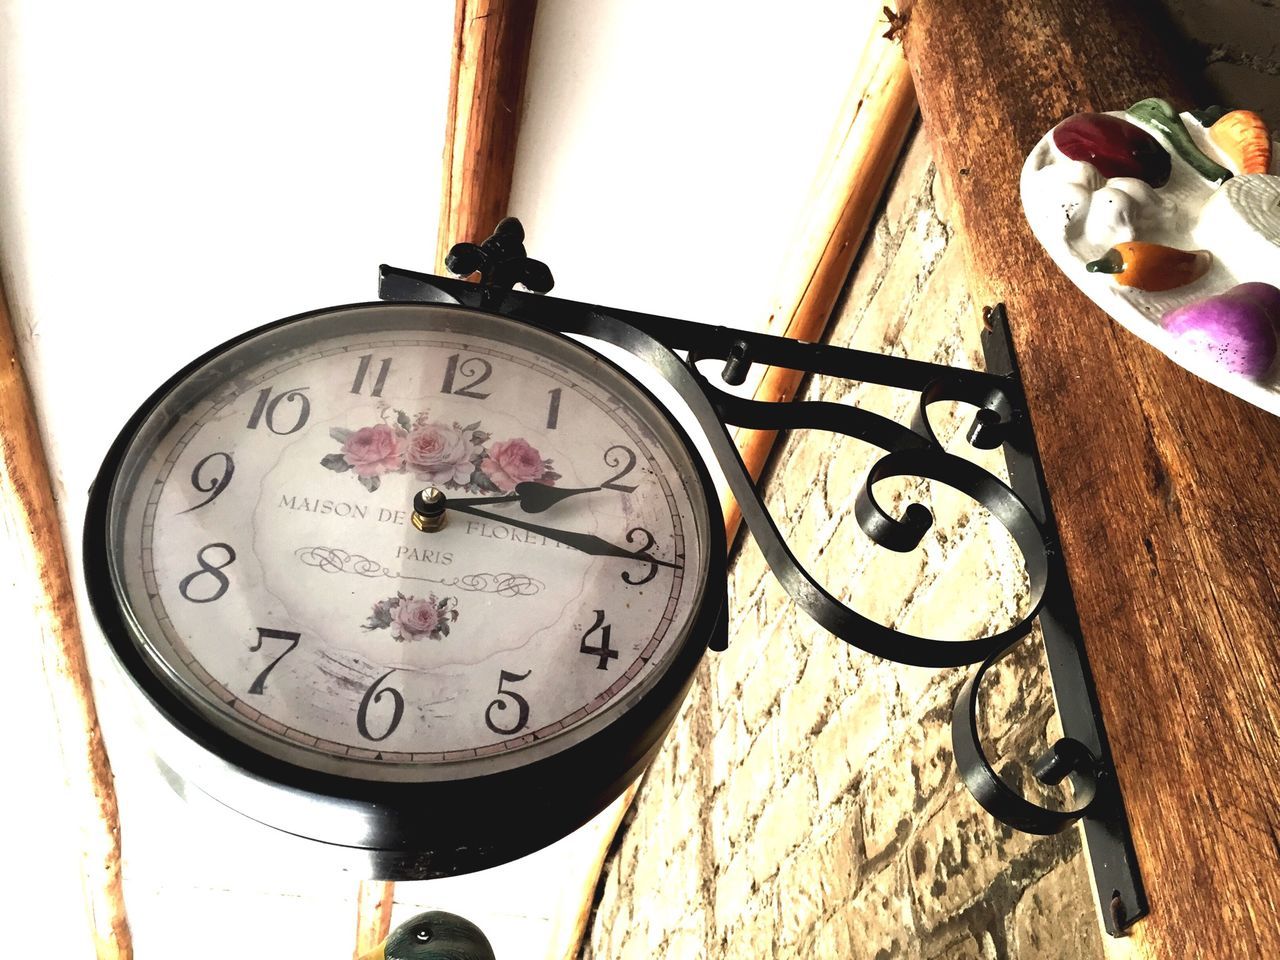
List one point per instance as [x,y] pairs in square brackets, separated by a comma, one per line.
[615,460]
[468,368]
[266,408]
[208,569]
[216,484]
[383,370]
[397,708]
[522,705]
[643,548]
[603,651]
[266,633]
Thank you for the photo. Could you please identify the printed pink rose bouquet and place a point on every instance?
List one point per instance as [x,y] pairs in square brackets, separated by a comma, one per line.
[413,618]
[451,456]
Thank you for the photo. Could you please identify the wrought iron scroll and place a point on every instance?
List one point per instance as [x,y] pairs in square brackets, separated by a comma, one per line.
[1001,420]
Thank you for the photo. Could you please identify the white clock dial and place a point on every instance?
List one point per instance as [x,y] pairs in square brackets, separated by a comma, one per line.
[262,543]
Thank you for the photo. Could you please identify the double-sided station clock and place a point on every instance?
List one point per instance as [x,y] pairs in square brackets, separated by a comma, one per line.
[426,579]
[407,578]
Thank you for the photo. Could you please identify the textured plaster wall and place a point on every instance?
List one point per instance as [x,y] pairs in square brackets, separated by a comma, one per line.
[806,803]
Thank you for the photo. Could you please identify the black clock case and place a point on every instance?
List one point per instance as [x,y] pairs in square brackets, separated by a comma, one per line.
[409,831]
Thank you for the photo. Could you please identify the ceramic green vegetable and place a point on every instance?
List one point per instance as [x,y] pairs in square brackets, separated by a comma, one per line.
[434,935]
[1161,115]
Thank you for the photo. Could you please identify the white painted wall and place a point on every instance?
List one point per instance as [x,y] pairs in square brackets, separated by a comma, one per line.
[172,174]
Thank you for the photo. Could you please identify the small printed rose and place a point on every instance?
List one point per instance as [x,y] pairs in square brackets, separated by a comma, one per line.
[373,451]
[511,462]
[415,619]
[440,454]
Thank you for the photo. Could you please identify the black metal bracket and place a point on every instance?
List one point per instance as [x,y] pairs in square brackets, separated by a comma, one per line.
[1001,420]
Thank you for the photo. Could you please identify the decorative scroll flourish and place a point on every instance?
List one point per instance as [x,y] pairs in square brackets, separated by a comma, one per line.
[337,560]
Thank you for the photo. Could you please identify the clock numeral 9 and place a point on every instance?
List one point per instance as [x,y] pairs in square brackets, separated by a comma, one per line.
[397,708]
[468,368]
[216,484]
[266,633]
[613,458]
[208,569]
[643,548]
[603,651]
[522,705]
[268,406]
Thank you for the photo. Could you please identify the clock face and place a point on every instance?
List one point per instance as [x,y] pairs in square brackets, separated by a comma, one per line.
[261,545]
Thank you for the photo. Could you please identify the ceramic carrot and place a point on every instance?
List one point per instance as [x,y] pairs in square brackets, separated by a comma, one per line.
[1152,266]
[1243,136]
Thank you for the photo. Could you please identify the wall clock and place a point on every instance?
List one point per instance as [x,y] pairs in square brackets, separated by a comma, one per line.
[426,579]
[464,688]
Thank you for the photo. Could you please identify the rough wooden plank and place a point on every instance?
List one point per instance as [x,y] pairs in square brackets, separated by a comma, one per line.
[374,900]
[38,562]
[866,141]
[1165,488]
[491,40]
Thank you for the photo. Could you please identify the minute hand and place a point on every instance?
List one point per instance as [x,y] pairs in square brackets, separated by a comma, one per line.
[586,542]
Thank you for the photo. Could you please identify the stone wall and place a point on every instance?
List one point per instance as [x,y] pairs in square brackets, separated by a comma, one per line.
[806,803]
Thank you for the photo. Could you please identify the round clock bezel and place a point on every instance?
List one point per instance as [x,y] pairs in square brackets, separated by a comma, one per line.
[415,829]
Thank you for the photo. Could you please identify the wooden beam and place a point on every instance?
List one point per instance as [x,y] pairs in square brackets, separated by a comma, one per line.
[374,900]
[29,517]
[866,141]
[1165,488]
[491,40]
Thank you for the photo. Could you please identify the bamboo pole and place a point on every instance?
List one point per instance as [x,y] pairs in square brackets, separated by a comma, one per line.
[491,41]
[29,516]
[866,142]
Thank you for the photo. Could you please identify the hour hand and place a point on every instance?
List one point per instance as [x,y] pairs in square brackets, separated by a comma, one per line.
[532,498]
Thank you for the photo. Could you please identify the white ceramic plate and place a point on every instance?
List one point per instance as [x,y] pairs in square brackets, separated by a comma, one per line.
[1076,214]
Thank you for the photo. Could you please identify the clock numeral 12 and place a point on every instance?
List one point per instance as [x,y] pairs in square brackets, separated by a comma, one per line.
[522,705]
[266,633]
[358,385]
[468,368]
[603,651]
[268,406]
[210,569]
[397,708]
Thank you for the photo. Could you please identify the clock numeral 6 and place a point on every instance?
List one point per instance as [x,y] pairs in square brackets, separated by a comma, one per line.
[268,406]
[615,457]
[215,484]
[522,705]
[266,633]
[603,651]
[209,569]
[370,696]
[476,367]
